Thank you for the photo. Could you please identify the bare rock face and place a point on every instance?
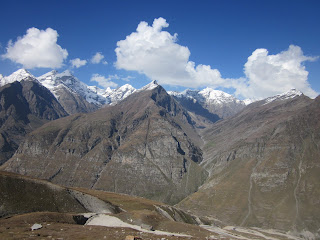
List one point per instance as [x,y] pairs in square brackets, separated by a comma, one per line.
[24,106]
[145,146]
[72,102]
[264,166]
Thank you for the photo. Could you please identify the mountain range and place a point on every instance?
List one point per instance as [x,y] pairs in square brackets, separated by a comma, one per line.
[75,96]
[223,159]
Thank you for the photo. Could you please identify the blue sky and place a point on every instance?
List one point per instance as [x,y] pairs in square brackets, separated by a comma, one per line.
[252,49]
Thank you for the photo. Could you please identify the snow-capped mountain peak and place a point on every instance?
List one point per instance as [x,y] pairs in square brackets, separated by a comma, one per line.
[116,95]
[19,75]
[54,80]
[49,80]
[292,93]
[150,86]
[248,101]
[216,101]
[207,95]
[93,94]
[66,73]
[126,87]
[213,94]
[217,96]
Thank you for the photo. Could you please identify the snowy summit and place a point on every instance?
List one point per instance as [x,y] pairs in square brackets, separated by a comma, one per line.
[208,96]
[283,96]
[19,75]
[54,80]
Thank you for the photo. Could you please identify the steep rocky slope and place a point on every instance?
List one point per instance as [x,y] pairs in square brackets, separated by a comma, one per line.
[264,166]
[143,146]
[20,194]
[24,106]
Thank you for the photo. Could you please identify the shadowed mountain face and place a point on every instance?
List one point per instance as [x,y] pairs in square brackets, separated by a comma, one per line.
[142,146]
[264,166]
[72,102]
[24,106]
[200,115]
[22,195]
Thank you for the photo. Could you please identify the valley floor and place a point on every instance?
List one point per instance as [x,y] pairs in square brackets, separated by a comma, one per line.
[61,226]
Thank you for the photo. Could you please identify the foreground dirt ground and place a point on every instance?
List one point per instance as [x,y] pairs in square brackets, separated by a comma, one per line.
[58,226]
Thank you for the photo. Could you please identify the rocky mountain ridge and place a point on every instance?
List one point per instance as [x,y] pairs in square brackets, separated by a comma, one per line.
[264,167]
[76,96]
[145,146]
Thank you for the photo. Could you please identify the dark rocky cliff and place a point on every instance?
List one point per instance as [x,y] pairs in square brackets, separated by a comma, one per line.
[24,106]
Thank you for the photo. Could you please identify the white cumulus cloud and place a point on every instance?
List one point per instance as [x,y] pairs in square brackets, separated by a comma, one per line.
[103,81]
[156,53]
[37,49]
[97,58]
[273,74]
[77,62]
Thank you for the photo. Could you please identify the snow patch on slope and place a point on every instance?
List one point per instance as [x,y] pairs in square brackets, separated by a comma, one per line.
[111,221]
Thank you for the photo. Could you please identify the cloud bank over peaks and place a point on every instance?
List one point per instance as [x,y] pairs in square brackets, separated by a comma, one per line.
[156,53]
[37,49]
